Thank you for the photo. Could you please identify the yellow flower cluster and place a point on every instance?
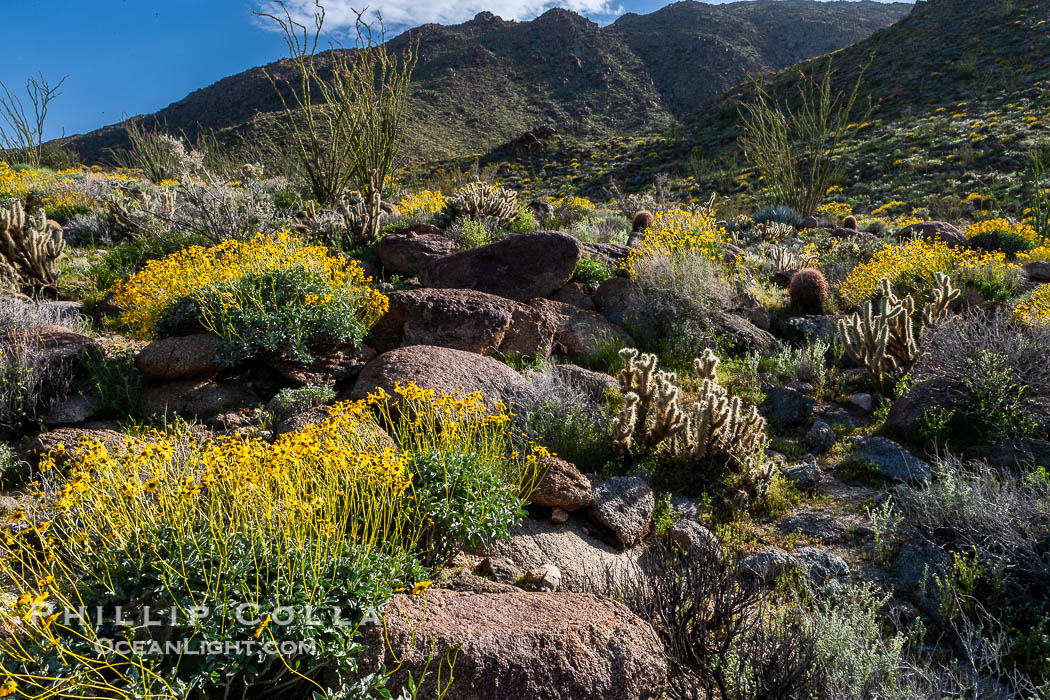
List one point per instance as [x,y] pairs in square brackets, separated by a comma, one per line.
[573,203]
[15,183]
[1022,229]
[917,261]
[1036,308]
[422,202]
[678,232]
[146,295]
[55,190]
[888,208]
[839,210]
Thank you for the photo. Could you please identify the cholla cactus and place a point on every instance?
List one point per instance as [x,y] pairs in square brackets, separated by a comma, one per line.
[141,212]
[884,340]
[29,250]
[782,258]
[480,201]
[714,426]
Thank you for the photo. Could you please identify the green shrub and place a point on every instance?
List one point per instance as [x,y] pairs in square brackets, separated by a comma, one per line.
[682,293]
[469,501]
[1006,241]
[115,381]
[779,214]
[592,272]
[998,378]
[291,401]
[524,222]
[564,418]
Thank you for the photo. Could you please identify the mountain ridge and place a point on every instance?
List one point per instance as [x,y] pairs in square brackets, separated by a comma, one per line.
[485,81]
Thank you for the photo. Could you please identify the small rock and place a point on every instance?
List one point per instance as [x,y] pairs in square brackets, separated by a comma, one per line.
[500,568]
[559,515]
[801,387]
[546,578]
[822,526]
[806,475]
[822,566]
[890,459]
[695,539]
[625,505]
[821,436]
[684,507]
[767,565]
[809,222]
[864,402]
[788,406]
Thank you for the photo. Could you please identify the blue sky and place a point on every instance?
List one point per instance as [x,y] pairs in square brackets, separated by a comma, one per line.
[137,56]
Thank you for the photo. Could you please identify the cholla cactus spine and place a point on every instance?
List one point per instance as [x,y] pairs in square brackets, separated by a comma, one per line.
[30,249]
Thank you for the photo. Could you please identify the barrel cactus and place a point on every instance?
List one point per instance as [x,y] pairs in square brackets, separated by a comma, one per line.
[809,290]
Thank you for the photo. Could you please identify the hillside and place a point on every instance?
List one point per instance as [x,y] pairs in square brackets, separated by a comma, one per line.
[959,89]
[486,81]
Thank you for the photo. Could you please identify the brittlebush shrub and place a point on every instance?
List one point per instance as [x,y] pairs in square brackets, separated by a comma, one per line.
[912,267]
[279,548]
[676,233]
[268,294]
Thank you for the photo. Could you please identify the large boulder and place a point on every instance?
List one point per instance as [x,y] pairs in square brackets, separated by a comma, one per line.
[624,505]
[788,407]
[57,347]
[180,357]
[1037,271]
[612,254]
[520,266]
[586,562]
[72,410]
[576,294]
[1013,455]
[511,646]
[407,251]
[743,336]
[907,412]
[934,231]
[578,331]
[65,443]
[464,319]
[194,398]
[446,371]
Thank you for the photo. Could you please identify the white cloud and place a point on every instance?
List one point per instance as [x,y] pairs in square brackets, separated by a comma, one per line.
[402,14]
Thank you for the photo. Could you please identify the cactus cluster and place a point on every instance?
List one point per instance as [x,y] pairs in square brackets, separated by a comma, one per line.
[480,201]
[29,251]
[135,212]
[714,426]
[883,339]
[809,290]
[850,222]
[782,258]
